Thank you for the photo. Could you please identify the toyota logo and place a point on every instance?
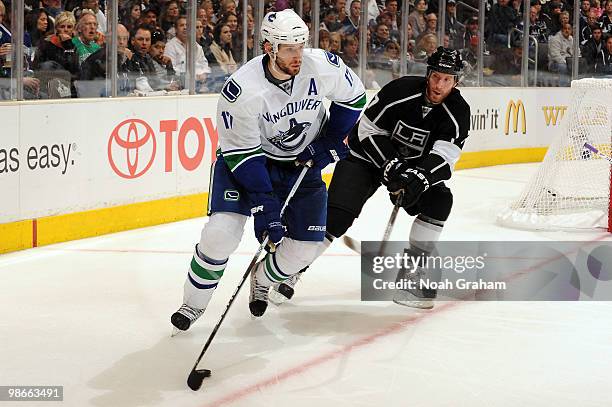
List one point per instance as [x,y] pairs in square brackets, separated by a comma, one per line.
[131,148]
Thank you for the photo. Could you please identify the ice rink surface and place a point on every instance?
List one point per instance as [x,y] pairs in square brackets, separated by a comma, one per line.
[93,316]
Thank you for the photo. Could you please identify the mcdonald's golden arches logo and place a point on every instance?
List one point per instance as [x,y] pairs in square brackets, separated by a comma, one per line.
[512,112]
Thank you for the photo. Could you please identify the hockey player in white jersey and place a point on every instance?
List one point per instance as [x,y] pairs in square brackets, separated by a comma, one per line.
[270,119]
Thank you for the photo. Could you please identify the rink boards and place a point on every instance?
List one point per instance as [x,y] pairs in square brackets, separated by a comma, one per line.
[79,168]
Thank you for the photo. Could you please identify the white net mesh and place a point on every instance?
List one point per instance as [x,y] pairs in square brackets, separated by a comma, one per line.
[571,189]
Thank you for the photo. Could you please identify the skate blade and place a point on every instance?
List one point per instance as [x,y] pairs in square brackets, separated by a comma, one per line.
[415,304]
[175,331]
[276,298]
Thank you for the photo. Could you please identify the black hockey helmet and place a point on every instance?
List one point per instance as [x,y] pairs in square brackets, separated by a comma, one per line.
[445,60]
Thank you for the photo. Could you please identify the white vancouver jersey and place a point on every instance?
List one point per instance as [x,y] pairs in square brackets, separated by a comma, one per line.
[256,117]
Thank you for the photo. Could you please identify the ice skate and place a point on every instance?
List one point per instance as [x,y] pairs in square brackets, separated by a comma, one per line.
[185,316]
[258,300]
[284,291]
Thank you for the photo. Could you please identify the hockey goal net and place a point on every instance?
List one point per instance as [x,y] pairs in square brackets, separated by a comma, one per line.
[571,189]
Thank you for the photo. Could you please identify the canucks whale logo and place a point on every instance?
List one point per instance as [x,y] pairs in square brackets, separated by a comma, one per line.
[293,138]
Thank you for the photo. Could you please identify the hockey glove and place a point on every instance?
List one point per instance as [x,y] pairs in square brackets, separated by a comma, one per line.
[322,152]
[266,214]
[399,176]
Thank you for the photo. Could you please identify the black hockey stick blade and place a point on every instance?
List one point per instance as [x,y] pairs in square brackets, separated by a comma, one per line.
[196,377]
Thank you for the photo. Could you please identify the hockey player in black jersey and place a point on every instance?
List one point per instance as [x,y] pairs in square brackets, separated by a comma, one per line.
[409,139]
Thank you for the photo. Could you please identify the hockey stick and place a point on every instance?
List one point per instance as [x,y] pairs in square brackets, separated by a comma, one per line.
[197,376]
[598,153]
[355,245]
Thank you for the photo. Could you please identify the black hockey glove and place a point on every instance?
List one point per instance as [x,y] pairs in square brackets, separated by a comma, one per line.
[398,176]
[266,214]
[323,151]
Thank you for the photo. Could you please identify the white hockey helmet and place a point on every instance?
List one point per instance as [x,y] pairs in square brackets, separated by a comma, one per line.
[284,27]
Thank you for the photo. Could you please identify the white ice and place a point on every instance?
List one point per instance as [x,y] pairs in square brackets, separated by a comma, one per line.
[93,316]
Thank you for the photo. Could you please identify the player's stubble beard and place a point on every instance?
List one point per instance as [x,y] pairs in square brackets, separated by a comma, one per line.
[280,65]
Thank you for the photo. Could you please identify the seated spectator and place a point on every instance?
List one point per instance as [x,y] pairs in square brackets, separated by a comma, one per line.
[605,21]
[350,51]
[426,46]
[231,20]
[386,19]
[227,7]
[557,17]
[596,7]
[417,18]
[471,30]
[391,8]
[168,17]
[210,11]
[93,69]
[220,58]
[335,43]
[537,26]
[560,47]
[330,21]
[603,65]
[58,51]
[452,27]
[52,7]
[38,25]
[140,66]
[592,49]
[324,40]
[469,55]
[208,28]
[350,24]
[586,32]
[502,19]
[87,34]
[165,76]
[379,39]
[149,17]
[94,5]
[129,14]
[431,26]
[175,50]
[340,7]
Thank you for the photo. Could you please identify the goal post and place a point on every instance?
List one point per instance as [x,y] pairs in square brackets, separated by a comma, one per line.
[571,188]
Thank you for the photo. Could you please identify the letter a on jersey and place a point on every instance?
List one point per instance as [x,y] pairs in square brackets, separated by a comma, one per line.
[312,89]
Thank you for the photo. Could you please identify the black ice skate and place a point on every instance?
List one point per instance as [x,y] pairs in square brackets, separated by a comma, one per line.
[185,316]
[284,291]
[417,297]
[258,300]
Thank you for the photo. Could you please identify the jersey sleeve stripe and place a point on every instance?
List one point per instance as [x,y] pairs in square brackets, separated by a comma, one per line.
[395,103]
[356,104]
[369,147]
[236,160]
[454,122]
[367,129]
[450,152]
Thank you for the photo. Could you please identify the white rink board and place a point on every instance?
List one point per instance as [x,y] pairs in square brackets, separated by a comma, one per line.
[70,158]
[70,140]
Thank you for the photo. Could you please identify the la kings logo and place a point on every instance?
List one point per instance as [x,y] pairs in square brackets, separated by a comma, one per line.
[412,140]
[293,138]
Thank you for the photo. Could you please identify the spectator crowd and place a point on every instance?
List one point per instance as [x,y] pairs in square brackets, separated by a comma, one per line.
[66,49]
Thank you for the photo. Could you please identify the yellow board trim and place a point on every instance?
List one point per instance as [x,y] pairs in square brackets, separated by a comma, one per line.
[61,228]
[15,236]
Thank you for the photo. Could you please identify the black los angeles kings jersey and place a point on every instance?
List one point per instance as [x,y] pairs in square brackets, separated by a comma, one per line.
[400,122]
